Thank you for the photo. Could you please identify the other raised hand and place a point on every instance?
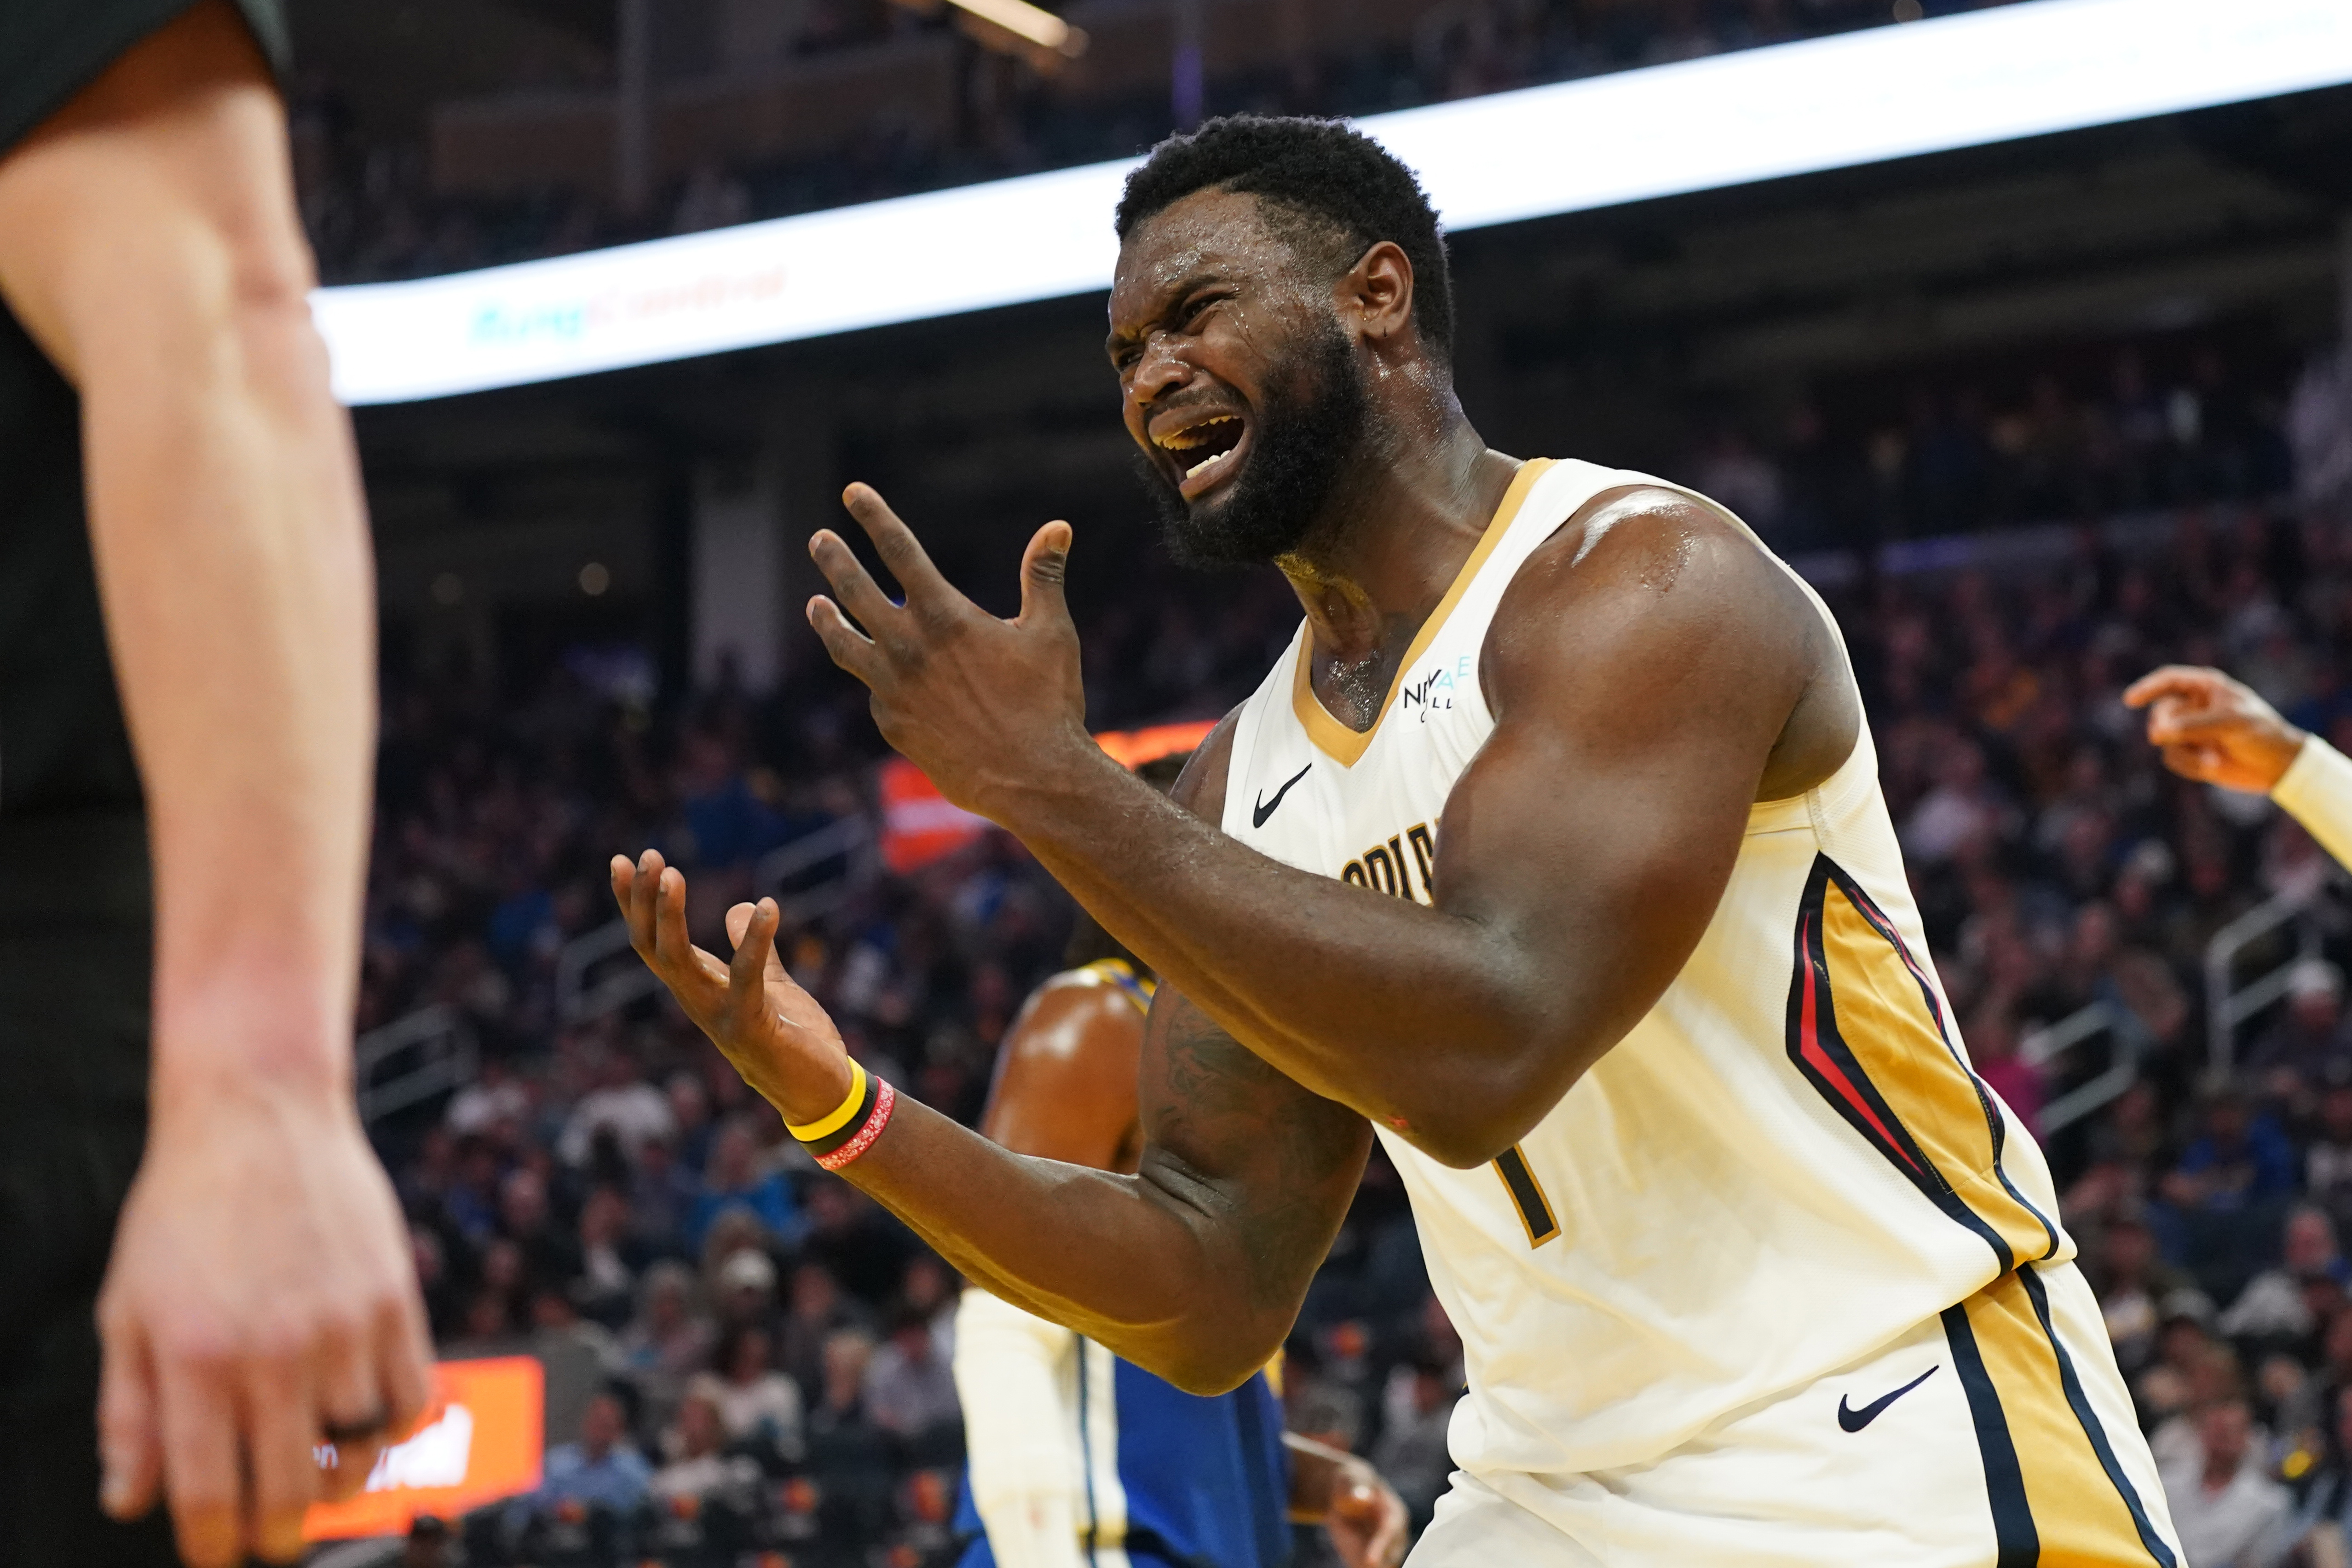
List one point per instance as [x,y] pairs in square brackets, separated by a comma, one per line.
[2215,730]
[770,1030]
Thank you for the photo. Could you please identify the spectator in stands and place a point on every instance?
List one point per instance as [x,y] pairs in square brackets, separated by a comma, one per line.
[910,1388]
[2287,1304]
[602,1469]
[605,1287]
[496,1097]
[817,1309]
[689,1114]
[2328,1160]
[2310,1044]
[2187,1359]
[2324,1515]
[623,1102]
[2220,1193]
[756,1402]
[661,1195]
[667,1337]
[579,1358]
[2135,1283]
[549,1254]
[853,1459]
[2229,1513]
[699,1466]
[429,1545]
[1417,1410]
[744,1293]
[734,1179]
[1993,1051]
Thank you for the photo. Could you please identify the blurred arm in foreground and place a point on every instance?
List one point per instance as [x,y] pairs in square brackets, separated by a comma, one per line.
[2217,731]
[260,1297]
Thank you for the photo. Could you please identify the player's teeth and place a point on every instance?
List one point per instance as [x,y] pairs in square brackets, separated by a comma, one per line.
[1199,466]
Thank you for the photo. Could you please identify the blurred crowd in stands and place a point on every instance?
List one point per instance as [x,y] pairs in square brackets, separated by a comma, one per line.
[374,214]
[744,1354]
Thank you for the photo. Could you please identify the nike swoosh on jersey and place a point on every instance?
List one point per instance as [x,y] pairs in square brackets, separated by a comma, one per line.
[1265,809]
[1855,1420]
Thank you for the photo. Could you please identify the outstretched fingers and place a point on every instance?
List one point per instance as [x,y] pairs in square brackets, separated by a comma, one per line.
[755,956]
[653,900]
[739,923]
[2182,680]
[847,646]
[853,585]
[1045,568]
[896,543]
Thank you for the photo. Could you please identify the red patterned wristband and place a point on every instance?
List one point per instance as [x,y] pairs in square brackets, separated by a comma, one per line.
[871,1129]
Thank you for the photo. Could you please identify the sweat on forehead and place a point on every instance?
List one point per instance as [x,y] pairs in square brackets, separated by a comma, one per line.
[1231,234]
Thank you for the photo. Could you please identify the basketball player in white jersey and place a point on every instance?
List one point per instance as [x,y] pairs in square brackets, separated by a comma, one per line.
[1551,853]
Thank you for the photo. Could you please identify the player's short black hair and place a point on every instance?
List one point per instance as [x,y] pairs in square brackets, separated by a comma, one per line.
[1340,190]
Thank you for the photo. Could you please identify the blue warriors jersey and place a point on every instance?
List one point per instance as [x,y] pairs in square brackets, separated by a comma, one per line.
[1173,1479]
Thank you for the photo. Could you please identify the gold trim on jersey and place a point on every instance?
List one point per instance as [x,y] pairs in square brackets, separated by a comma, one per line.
[1867,1030]
[1335,740]
[2059,1494]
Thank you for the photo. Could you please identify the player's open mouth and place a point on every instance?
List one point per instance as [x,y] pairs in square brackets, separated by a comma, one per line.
[1205,453]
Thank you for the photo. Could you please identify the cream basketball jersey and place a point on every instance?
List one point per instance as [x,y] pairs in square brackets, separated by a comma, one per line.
[1786,1165]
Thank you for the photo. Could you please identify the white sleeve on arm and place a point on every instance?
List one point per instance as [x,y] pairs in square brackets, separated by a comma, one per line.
[1010,1370]
[2316,791]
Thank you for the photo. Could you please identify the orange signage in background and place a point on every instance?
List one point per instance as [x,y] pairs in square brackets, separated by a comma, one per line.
[481,1442]
[1133,748]
[919,825]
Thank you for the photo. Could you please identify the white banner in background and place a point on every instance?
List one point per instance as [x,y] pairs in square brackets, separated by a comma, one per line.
[2026,69]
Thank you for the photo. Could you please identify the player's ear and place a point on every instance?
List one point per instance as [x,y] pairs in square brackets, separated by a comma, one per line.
[1378,289]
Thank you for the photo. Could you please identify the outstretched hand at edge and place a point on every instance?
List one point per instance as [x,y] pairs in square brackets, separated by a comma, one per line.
[2215,730]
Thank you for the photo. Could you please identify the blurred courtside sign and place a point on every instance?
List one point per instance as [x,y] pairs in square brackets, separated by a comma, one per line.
[482,1441]
[919,825]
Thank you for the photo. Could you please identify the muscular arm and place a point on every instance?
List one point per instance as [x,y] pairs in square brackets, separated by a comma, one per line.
[1065,1085]
[1642,670]
[260,1285]
[1192,1267]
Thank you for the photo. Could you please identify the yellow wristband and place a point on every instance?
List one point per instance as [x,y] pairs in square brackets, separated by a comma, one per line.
[810,1132]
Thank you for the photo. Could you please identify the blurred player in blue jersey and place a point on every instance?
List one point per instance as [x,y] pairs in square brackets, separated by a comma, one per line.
[1079,1459]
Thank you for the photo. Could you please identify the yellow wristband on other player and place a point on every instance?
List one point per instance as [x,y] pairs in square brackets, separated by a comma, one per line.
[839,1117]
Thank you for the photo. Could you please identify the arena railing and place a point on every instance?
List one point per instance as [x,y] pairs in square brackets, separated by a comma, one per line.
[432,1049]
[2128,1053]
[428,1051]
[2229,1004]
[594,978]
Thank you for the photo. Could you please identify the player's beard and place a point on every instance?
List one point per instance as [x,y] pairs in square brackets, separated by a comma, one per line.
[1302,441]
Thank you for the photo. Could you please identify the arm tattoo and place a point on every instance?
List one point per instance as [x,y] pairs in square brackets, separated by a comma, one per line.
[1268,1165]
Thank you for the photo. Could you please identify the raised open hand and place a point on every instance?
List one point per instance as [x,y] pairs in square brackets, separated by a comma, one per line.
[2214,730]
[985,707]
[773,1031]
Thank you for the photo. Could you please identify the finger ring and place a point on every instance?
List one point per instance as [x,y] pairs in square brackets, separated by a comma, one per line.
[354,1431]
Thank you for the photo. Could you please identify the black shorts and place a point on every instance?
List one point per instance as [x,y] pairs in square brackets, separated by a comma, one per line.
[73,1118]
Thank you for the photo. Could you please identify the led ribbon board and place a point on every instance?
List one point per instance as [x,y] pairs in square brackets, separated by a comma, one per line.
[2026,69]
